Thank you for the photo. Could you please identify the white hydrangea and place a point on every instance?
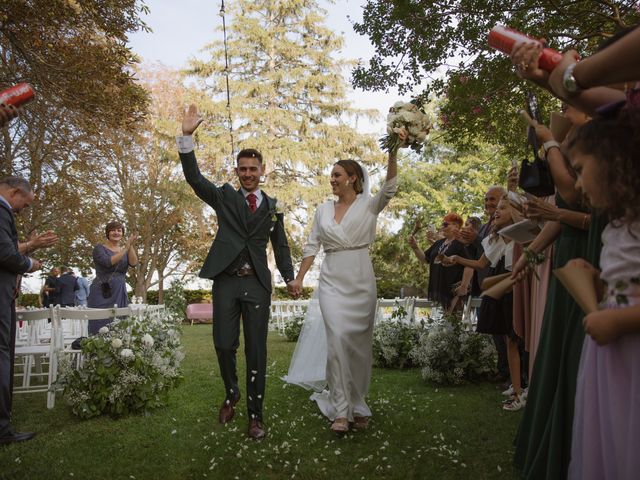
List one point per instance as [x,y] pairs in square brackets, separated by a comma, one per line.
[116,343]
[103,330]
[147,340]
[127,353]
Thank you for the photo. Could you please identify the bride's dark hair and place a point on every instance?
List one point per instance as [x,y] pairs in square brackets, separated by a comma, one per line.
[353,168]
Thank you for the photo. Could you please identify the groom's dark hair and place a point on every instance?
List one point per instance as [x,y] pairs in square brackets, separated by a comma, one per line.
[353,168]
[249,153]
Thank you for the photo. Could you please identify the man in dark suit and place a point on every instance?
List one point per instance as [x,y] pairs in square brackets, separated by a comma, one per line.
[67,286]
[237,264]
[15,194]
[51,290]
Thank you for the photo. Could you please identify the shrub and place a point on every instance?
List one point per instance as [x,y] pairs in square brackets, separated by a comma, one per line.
[175,299]
[128,367]
[393,340]
[294,326]
[448,354]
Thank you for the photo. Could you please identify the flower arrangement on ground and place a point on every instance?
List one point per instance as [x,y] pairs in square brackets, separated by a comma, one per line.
[293,327]
[394,339]
[407,125]
[128,367]
[451,355]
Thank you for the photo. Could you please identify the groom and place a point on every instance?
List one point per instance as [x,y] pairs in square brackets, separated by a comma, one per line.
[237,264]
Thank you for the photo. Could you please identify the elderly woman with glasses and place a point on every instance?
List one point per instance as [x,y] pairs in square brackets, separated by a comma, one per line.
[442,281]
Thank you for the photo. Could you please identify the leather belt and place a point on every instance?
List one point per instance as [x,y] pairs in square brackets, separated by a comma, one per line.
[244,272]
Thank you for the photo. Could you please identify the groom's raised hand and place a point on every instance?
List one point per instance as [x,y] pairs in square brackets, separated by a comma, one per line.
[190,120]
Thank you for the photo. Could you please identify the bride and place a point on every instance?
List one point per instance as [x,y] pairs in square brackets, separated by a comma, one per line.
[335,344]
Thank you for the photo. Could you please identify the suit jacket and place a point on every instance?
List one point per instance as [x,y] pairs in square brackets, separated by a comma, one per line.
[12,262]
[233,232]
[68,285]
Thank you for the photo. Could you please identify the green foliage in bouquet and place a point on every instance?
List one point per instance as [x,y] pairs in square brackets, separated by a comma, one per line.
[128,367]
[294,326]
[451,355]
[394,340]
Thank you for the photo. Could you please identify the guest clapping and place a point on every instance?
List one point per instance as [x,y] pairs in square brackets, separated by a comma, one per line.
[111,261]
[442,281]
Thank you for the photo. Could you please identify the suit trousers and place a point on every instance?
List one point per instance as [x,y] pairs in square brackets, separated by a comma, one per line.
[234,298]
[7,352]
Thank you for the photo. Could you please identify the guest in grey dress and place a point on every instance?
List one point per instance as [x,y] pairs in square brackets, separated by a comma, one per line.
[111,261]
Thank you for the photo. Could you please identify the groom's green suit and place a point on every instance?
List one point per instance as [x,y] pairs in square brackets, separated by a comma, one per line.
[242,237]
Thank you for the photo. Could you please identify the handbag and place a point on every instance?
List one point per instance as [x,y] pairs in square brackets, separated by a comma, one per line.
[535,177]
[105,288]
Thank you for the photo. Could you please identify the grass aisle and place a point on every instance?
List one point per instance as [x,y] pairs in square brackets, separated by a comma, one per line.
[418,431]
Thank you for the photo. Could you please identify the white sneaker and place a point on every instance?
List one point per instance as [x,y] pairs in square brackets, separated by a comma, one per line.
[515,404]
[509,391]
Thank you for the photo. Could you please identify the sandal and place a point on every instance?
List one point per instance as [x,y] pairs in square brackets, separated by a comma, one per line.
[360,423]
[340,425]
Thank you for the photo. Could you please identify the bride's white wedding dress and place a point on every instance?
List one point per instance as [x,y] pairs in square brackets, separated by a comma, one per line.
[334,347]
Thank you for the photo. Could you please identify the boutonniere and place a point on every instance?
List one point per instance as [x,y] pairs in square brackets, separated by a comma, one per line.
[274,212]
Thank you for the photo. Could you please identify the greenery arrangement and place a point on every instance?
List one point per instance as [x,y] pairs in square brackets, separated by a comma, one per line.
[175,299]
[394,340]
[294,326]
[128,367]
[451,355]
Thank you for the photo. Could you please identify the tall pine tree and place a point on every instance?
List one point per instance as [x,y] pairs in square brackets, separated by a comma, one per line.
[288,100]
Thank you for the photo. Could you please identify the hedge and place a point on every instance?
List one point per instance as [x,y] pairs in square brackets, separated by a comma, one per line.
[192,296]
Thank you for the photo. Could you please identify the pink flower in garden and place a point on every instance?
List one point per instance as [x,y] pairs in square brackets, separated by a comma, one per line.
[476,110]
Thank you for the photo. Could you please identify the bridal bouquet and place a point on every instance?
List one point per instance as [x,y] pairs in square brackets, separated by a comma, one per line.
[407,126]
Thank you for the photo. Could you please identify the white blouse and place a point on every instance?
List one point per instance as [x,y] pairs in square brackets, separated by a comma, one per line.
[496,249]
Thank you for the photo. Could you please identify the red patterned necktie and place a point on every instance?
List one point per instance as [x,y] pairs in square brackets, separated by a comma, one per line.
[253,202]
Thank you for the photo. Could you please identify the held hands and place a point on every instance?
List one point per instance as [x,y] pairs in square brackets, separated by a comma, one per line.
[294,288]
[600,327]
[191,120]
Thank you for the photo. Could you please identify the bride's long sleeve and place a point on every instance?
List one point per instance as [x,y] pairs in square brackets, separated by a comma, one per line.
[312,247]
[384,195]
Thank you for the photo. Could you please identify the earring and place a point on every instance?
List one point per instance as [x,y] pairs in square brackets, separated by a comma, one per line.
[347,183]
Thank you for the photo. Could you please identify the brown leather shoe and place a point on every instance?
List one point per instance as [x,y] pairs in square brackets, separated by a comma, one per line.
[226,410]
[256,429]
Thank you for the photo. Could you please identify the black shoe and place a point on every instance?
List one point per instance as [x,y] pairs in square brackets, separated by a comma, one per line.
[16,437]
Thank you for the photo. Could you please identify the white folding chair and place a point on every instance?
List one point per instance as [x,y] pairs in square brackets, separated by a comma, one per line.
[35,345]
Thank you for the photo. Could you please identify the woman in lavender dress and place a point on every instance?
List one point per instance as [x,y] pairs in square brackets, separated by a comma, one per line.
[111,262]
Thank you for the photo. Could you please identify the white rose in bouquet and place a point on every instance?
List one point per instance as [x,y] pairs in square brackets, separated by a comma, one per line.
[103,330]
[116,343]
[147,340]
[407,126]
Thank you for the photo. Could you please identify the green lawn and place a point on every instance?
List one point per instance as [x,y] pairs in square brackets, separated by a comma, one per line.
[418,431]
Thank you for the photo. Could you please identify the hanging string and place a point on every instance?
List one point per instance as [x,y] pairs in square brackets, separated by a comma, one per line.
[226,71]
